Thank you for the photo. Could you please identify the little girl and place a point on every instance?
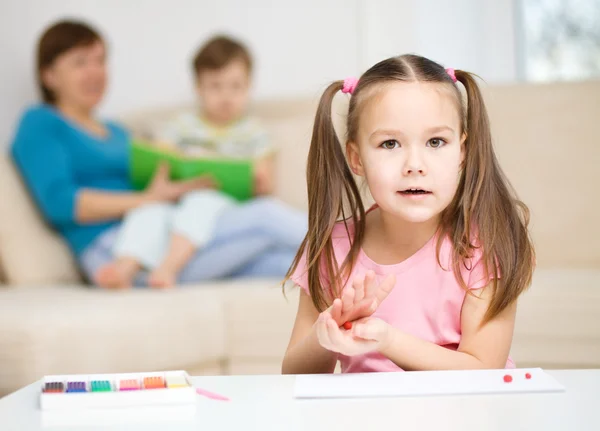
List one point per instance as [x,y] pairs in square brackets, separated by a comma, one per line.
[428,278]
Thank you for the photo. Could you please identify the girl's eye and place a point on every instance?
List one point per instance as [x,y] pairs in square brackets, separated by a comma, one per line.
[436,143]
[390,144]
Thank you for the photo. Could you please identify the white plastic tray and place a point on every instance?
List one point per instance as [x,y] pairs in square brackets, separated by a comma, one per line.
[116,398]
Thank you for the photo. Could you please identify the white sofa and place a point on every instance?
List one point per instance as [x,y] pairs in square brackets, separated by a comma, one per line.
[51,323]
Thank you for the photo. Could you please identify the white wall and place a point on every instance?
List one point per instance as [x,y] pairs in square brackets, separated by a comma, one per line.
[473,35]
[299,45]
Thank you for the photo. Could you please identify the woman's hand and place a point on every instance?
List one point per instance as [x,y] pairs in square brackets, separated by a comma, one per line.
[161,188]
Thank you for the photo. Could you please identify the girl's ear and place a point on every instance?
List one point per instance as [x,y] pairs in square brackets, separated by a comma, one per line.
[354,159]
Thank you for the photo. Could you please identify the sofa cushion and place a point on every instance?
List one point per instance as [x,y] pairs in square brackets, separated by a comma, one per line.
[259,319]
[31,252]
[558,320]
[64,330]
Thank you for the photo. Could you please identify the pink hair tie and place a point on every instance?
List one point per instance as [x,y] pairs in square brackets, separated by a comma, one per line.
[350,84]
[452,74]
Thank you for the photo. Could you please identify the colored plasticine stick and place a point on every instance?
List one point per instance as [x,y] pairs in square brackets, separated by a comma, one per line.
[100,386]
[154,383]
[129,385]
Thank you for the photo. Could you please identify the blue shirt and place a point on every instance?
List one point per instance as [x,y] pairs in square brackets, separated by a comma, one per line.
[57,159]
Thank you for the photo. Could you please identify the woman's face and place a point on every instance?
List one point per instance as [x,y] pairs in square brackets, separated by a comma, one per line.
[78,76]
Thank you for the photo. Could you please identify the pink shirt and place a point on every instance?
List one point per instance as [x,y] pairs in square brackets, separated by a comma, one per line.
[426,301]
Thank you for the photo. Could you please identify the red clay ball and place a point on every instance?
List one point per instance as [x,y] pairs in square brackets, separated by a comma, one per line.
[507,378]
[347,326]
[527,376]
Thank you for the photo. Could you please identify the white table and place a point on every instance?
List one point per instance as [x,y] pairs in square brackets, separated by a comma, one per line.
[266,403]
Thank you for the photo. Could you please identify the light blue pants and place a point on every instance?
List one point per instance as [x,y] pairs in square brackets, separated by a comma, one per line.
[255,239]
[145,232]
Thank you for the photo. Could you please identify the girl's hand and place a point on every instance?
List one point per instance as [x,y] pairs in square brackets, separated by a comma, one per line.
[375,335]
[162,188]
[374,330]
[361,298]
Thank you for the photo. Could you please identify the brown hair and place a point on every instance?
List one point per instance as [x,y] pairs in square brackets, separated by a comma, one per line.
[56,40]
[484,210]
[219,52]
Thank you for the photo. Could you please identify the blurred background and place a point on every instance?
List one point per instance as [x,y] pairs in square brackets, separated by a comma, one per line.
[299,47]
[540,60]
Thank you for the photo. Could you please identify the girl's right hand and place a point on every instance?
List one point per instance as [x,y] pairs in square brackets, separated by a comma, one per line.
[161,188]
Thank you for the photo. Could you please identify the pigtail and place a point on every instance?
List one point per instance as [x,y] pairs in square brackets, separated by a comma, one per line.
[331,191]
[489,205]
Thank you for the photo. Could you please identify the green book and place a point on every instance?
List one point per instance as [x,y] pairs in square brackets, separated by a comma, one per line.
[234,176]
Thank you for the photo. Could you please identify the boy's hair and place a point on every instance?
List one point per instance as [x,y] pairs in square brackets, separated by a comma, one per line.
[59,38]
[484,212]
[219,52]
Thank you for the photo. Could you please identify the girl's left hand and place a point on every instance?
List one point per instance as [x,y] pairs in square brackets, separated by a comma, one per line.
[367,335]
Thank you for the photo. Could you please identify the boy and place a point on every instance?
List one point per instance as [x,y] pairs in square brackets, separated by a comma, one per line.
[164,237]
[222,70]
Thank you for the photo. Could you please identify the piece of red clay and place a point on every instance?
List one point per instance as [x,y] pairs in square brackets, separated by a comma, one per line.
[528,376]
[347,326]
[508,378]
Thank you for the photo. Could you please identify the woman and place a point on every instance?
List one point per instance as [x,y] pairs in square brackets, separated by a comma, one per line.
[76,168]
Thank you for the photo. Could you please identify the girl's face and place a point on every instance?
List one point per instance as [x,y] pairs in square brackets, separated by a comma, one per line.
[409,149]
[78,77]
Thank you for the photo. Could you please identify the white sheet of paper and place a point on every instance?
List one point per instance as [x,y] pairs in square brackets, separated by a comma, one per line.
[424,383]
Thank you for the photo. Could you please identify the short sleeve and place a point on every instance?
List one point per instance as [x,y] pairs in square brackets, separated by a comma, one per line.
[255,137]
[179,129]
[300,275]
[262,145]
[168,132]
[478,278]
[341,247]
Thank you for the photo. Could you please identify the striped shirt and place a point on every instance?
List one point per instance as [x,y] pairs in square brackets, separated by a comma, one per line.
[244,138]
